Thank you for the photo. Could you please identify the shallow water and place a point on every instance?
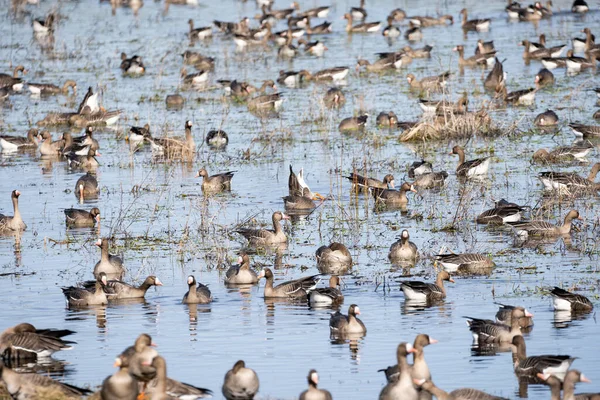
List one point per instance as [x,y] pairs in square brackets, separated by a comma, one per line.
[164,226]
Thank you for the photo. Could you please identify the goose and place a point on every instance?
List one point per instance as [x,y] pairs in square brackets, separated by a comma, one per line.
[336,74]
[576,64]
[502,212]
[333,258]
[164,388]
[580,7]
[321,29]
[367,27]
[578,152]
[478,59]
[585,130]
[426,292]
[140,357]
[484,47]
[196,78]
[175,147]
[424,52]
[133,65]
[198,60]
[419,369]
[513,9]
[391,197]
[504,316]
[101,118]
[429,82]
[233,27]
[240,382]
[266,102]
[445,108]
[530,13]
[414,33]
[288,50]
[50,89]
[313,393]
[109,264]
[15,143]
[403,249]
[401,388]
[327,295]
[571,377]
[297,186]
[318,12]
[564,300]
[315,48]
[13,223]
[137,134]
[359,13]
[13,81]
[118,290]
[382,64]
[81,218]
[43,26]
[486,332]
[292,79]
[48,146]
[525,97]
[464,393]
[86,187]
[418,168]
[81,297]
[367,182]
[241,274]
[340,324]
[480,25]
[86,162]
[87,139]
[201,33]
[544,78]
[432,21]
[543,228]
[353,123]
[217,138]
[264,236]
[471,168]
[56,118]
[570,182]
[24,341]
[465,263]
[294,289]
[386,119]
[390,30]
[69,147]
[430,180]
[217,182]
[551,52]
[544,364]
[121,385]
[398,14]
[196,295]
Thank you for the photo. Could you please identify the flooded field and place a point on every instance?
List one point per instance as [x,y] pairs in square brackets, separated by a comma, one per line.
[162,224]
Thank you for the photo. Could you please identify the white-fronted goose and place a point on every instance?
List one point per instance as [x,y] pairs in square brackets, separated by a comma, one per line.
[118,290]
[564,300]
[480,25]
[382,64]
[513,9]
[504,316]
[401,388]
[81,218]
[13,223]
[413,33]
[465,263]
[576,64]
[429,82]
[164,388]
[175,147]
[359,13]
[544,364]
[264,236]
[570,182]
[464,393]
[427,21]
[174,101]
[585,130]
[445,108]
[140,357]
[232,27]
[80,297]
[524,97]
[341,324]
[353,123]
[100,118]
[29,386]
[139,133]
[471,168]
[69,147]
[86,187]
[419,369]
[367,27]
[550,52]
[297,186]
[386,119]
[198,60]
[391,197]
[240,382]
[425,292]
[530,13]
[478,59]
[265,102]
[87,139]
[403,250]
[484,47]
[315,48]
[43,26]
[24,341]
[109,264]
[199,33]
[294,289]
[335,74]
[133,65]
[544,78]
[596,114]
[502,212]
[333,258]
[318,12]
[571,377]
[486,332]
[217,138]
[195,78]
[366,182]
[390,30]
[85,162]
[430,180]
[292,79]
[543,228]
[121,385]
[418,168]
[496,78]
[13,81]
[313,393]
[578,152]
[241,274]
[14,143]
[45,89]
[424,52]
[49,147]
[217,182]
[580,7]
[547,118]
[327,295]
[288,50]
[196,294]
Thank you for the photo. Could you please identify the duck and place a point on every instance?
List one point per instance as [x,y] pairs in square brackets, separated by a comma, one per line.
[334,98]
[24,341]
[76,218]
[547,118]
[429,82]
[240,382]
[471,168]
[486,332]
[119,290]
[43,26]
[577,152]
[367,182]
[419,369]
[217,182]
[390,30]
[353,123]
[121,384]
[573,376]
[15,143]
[543,364]
[261,236]
[403,249]
[570,182]
[430,180]
[478,59]
[293,289]
[504,316]
[335,74]
[327,295]
[241,274]
[109,264]
[46,89]
[266,102]
[426,292]
[414,33]
[201,33]
[333,257]
[13,82]
[585,130]
[359,13]
[86,187]
[544,228]
[402,387]
[465,263]
[292,79]
[196,78]
[463,393]
[580,7]
[48,146]
[480,25]
[391,197]
[544,78]
[79,297]
[563,300]
[427,21]
[316,48]
[13,223]
[367,27]
[502,212]
[386,120]
[313,393]
[196,295]
[217,138]
[133,65]
[340,324]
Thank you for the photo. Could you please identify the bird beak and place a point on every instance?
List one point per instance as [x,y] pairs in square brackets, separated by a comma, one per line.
[412,189]
[285,216]
[98,242]
[318,196]
[98,218]
[153,345]
[584,379]
[98,154]
[528,314]
[157,282]
[451,280]
[580,218]
[117,363]
[433,341]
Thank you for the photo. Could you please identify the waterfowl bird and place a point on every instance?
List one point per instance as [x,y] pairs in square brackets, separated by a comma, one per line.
[335,74]
[196,78]
[29,385]
[13,223]
[578,151]
[563,300]
[266,102]
[198,60]
[484,47]
[596,114]
[217,138]
[24,341]
[164,388]
[133,65]
[333,257]
[382,64]
[551,63]
[199,33]
[486,332]
[478,59]
[419,369]
[321,29]
[118,290]
[504,316]
[294,289]
[233,27]
[318,12]
[426,292]
[48,146]
[544,78]
[100,118]
[359,13]
[315,48]
[77,296]
[366,182]
[69,147]
[386,119]
[81,218]
[367,27]
[49,89]
[217,182]
[313,393]
[137,134]
[418,168]
[340,324]
[140,357]
[413,33]
[544,228]
[391,197]
[86,187]
[523,97]
[513,9]
[287,50]
[430,180]
[471,168]
[424,52]
[334,98]
[240,382]
[543,364]
[427,21]
[121,385]
[261,236]
[403,249]
[297,186]
[390,30]
[353,123]
[551,52]
[175,147]
[327,295]
[402,387]
[13,81]
[585,130]
[465,263]
[43,26]
[196,294]
[464,393]
[87,139]
[502,212]
[480,25]
[109,264]
[292,78]
[429,82]
[580,6]
[573,376]
[570,182]
[86,162]
[547,118]
[241,274]
[14,143]
[530,14]
[576,64]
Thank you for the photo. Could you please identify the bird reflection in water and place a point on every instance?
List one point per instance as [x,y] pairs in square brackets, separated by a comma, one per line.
[193,310]
[83,313]
[353,339]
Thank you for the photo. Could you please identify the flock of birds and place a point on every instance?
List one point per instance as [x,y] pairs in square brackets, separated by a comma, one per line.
[142,371]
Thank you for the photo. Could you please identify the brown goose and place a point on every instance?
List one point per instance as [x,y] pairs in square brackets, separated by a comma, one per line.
[201,33]
[419,369]
[486,332]
[480,25]
[428,82]
[13,223]
[140,357]
[118,290]
[576,152]
[570,182]
[327,295]
[544,364]
[340,324]
[217,182]
[121,385]
[81,218]
[334,256]
[425,292]
[403,249]
[427,21]
[504,316]
[543,228]
[49,89]
[86,187]
[13,81]
[571,378]
[464,393]
[547,118]
[196,295]
[335,74]
[465,263]
[240,382]
[109,264]
[471,168]
[266,102]
[524,97]
[366,182]
[496,78]
[391,197]
[544,78]
[78,297]
[241,274]
[294,289]
[430,180]
[478,59]
[353,123]
[549,52]
[217,138]
[382,64]
[402,387]
[163,387]
[24,341]
[15,143]
[257,237]
[300,196]
[85,162]
[386,120]
[334,98]
[585,130]
[564,300]
[133,65]
[418,168]
[48,146]
[502,212]
[175,147]
[367,27]
[313,393]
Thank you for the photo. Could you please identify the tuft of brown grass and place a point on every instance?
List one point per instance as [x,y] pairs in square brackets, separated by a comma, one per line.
[452,126]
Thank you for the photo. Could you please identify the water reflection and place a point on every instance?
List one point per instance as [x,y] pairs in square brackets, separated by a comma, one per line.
[45,366]
[562,319]
[352,339]
[84,313]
